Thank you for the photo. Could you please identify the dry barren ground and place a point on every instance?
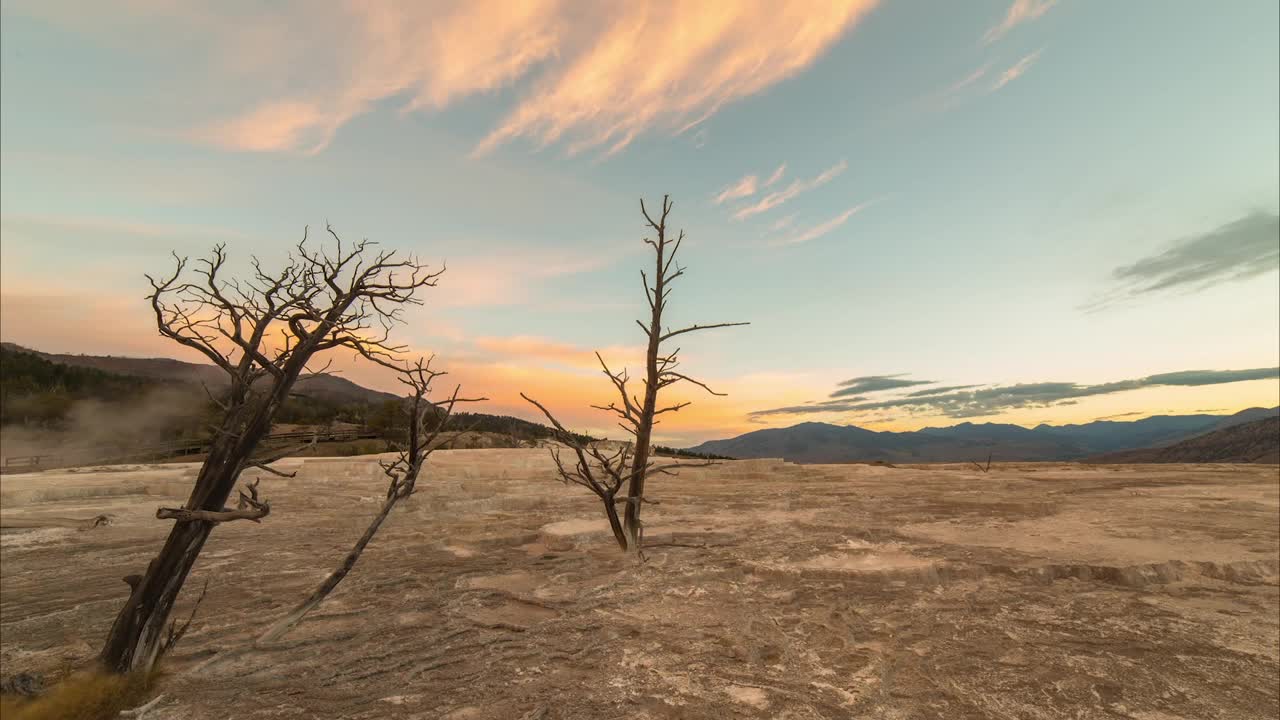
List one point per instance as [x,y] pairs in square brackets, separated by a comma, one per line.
[771,591]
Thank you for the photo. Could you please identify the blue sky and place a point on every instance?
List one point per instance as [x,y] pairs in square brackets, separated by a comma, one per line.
[989,194]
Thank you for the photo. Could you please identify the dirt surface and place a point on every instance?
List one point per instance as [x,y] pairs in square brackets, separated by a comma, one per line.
[771,590]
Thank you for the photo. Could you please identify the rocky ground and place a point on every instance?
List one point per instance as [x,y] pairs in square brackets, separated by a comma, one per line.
[770,590]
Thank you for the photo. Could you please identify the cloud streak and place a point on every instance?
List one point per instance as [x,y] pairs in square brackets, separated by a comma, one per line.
[991,400]
[980,82]
[1015,71]
[528,347]
[745,187]
[591,75]
[968,80]
[875,383]
[774,199]
[817,231]
[1022,11]
[939,390]
[1238,250]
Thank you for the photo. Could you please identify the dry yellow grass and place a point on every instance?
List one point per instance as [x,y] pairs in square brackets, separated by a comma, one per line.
[82,696]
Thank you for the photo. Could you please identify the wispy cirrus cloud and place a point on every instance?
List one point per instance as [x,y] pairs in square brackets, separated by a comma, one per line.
[774,199]
[1015,71]
[968,80]
[979,82]
[955,93]
[1243,248]
[817,231]
[994,399]
[746,187]
[1119,415]
[1022,11]
[573,65]
[514,275]
[939,390]
[783,222]
[288,124]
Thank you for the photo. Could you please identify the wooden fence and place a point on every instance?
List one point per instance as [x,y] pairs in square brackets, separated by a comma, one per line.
[107,455]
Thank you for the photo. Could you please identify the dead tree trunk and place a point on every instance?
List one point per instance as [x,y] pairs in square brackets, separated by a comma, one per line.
[295,616]
[261,331]
[403,474]
[607,474]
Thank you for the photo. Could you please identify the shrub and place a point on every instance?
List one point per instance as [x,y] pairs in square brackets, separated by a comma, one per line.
[88,695]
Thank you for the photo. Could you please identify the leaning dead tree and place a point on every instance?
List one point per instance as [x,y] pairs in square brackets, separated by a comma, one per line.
[605,473]
[980,467]
[262,330]
[426,421]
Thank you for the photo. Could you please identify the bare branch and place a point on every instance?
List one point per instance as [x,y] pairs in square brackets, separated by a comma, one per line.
[695,328]
[672,408]
[671,378]
[176,633]
[142,710]
[249,508]
[278,473]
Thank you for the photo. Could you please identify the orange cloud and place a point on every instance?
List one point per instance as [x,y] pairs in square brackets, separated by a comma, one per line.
[286,124]
[526,347]
[1020,12]
[594,74]
[634,70]
[511,275]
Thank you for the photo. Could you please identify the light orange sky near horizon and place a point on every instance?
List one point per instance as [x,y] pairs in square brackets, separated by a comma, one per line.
[566,379]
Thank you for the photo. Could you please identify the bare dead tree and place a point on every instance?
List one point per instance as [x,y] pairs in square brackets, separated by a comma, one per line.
[979,466]
[262,331]
[426,421]
[602,473]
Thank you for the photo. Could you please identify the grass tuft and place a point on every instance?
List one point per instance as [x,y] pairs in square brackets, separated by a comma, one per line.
[85,695]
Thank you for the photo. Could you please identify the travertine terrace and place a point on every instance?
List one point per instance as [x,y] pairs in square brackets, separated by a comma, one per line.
[770,590]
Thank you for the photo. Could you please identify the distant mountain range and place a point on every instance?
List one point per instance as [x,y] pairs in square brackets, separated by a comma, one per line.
[326,388]
[1251,442]
[32,392]
[1148,440]
[825,443]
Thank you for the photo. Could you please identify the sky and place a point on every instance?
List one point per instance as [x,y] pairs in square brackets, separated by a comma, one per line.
[930,213]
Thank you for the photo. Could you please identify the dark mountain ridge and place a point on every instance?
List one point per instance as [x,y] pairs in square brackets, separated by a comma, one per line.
[1255,441]
[814,442]
[40,389]
[329,388]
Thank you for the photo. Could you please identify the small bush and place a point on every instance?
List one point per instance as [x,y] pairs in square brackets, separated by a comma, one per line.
[82,696]
[680,453]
